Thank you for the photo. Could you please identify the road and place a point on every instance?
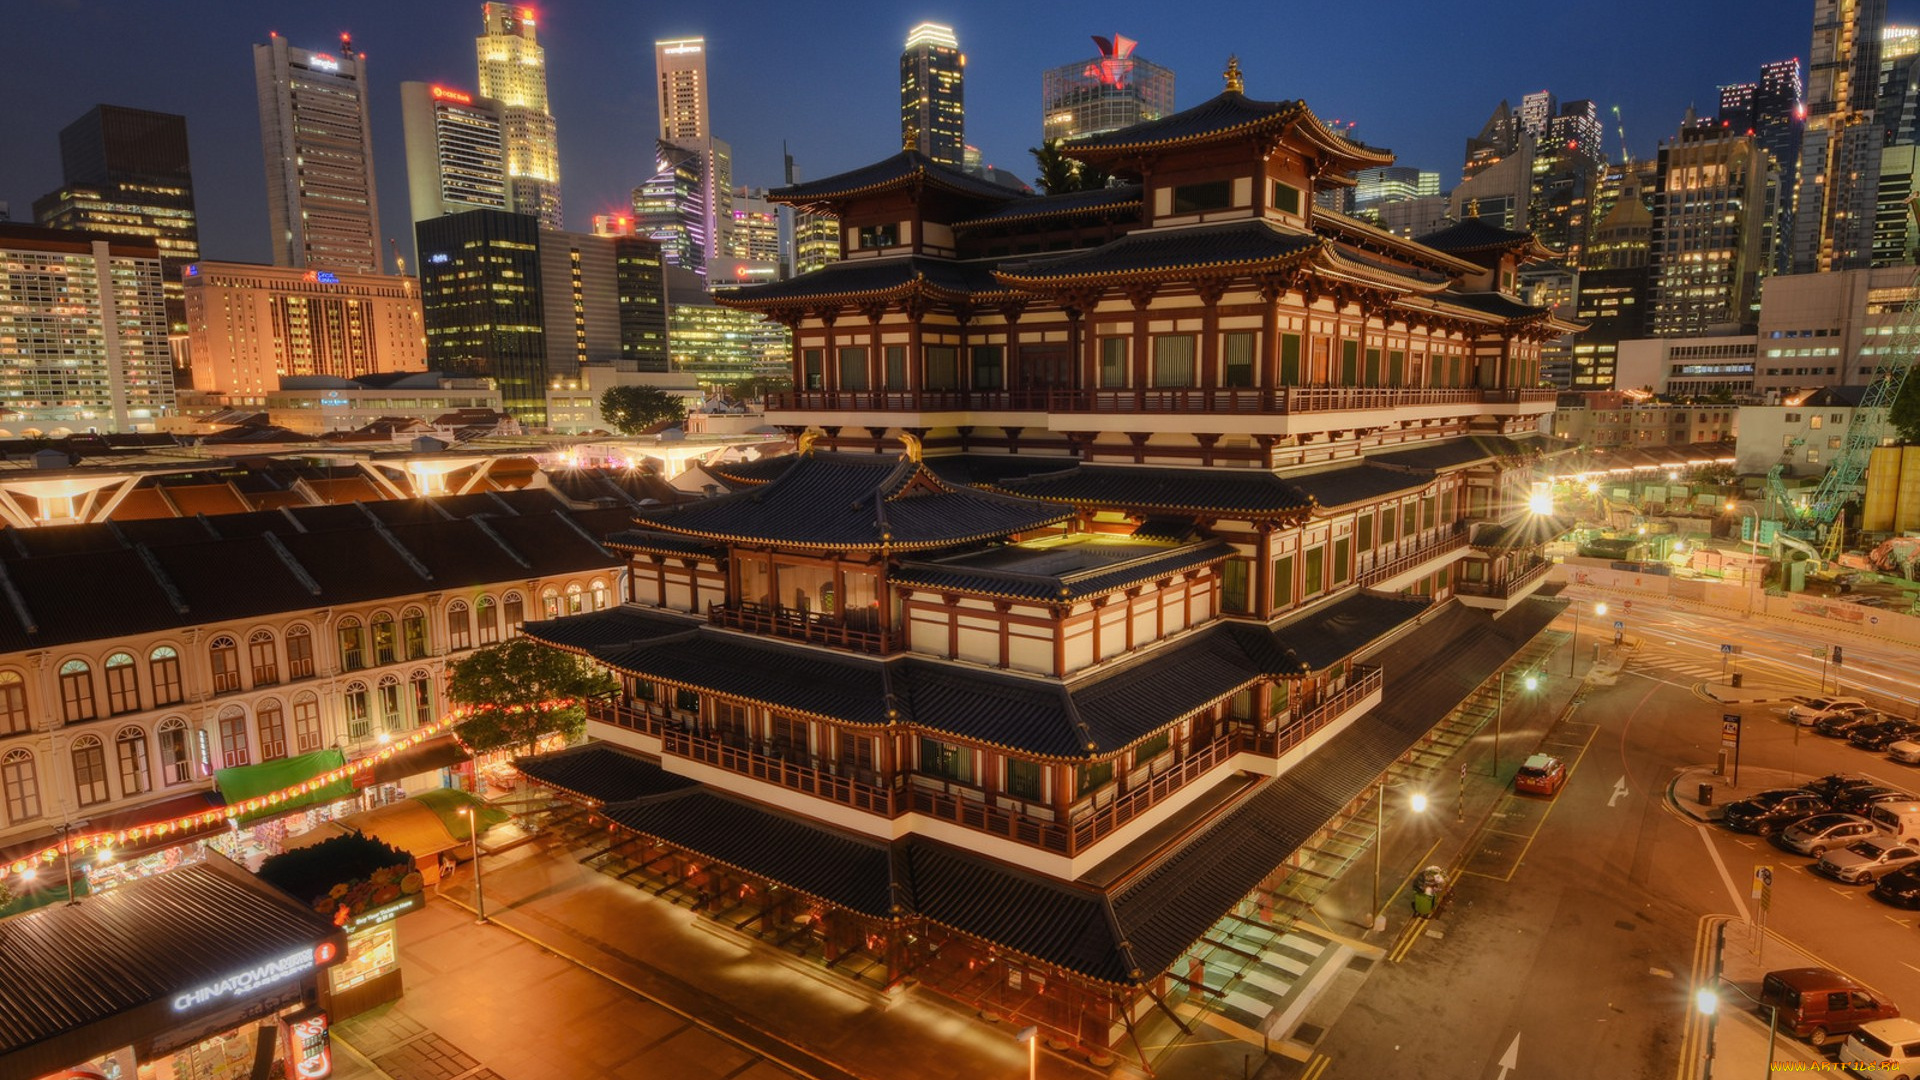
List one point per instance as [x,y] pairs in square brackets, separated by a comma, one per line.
[1572,928]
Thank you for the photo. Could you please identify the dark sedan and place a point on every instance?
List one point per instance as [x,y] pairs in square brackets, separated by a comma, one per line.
[1861,799]
[1830,786]
[1770,811]
[1879,736]
[1900,888]
[1839,725]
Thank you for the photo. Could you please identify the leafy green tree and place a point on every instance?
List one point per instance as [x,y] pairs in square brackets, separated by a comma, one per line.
[1058,172]
[633,409]
[520,690]
[1904,413]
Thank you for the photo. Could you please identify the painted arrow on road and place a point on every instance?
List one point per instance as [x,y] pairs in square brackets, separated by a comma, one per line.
[1511,1059]
[1619,789]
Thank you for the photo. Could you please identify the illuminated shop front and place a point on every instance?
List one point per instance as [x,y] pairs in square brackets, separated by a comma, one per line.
[202,973]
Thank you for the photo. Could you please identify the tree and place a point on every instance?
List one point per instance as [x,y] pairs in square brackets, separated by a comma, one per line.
[1058,172]
[633,409]
[520,690]
[1904,414]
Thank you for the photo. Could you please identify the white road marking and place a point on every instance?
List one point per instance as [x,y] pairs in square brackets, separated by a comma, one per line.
[1511,1059]
[1619,789]
[1739,896]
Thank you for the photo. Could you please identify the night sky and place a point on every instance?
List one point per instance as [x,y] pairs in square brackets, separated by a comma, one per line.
[1418,78]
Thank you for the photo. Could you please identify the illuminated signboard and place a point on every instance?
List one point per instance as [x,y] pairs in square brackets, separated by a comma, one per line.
[332,399]
[193,270]
[682,50]
[326,277]
[441,93]
[323,62]
[259,977]
[439,258]
[388,913]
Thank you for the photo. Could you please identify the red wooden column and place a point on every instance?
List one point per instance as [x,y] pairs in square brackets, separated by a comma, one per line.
[876,367]
[1270,293]
[830,360]
[1210,294]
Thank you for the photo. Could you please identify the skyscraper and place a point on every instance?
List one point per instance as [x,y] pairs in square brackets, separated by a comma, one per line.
[253,325]
[480,294]
[671,207]
[1839,166]
[1736,106]
[318,145]
[1499,137]
[682,66]
[1113,90]
[933,115]
[456,151]
[126,172]
[513,73]
[687,142]
[1537,111]
[1709,216]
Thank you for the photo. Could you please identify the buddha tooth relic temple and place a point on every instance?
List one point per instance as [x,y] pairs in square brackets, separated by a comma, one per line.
[1133,534]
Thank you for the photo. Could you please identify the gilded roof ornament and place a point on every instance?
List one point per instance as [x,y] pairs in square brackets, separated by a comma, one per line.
[1234,83]
[807,439]
[912,443]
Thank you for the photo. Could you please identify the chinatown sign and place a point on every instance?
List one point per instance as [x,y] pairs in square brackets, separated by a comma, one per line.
[256,978]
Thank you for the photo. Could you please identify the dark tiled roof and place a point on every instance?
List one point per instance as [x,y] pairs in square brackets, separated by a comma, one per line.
[1526,530]
[1326,635]
[1455,453]
[67,971]
[664,543]
[1067,204]
[1160,489]
[1028,714]
[818,682]
[1228,114]
[624,625]
[1170,251]
[904,169]
[855,501]
[1121,707]
[757,471]
[1357,483]
[1050,920]
[1474,234]
[873,278]
[851,871]
[1496,304]
[1135,563]
[602,773]
[989,469]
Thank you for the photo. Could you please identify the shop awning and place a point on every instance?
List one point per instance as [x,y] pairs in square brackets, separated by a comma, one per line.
[435,753]
[177,807]
[245,783]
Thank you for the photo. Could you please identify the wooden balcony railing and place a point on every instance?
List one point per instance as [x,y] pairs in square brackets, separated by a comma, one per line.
[1131,804]
[808,626]
[1247,400]
[994,820]
[803,775]
[1452,540]
[1366,680]
[1514,583]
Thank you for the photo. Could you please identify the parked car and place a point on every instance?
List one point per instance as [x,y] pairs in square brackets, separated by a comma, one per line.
[1813,836]
[1906,752]
[1862,800]
[1860,862]
[1883,1049]
[1817,1003]
[1541,774]
[1879,736]
[1900,888]
[1816,709]
[1770,811]
[1837,725]
[1832,784]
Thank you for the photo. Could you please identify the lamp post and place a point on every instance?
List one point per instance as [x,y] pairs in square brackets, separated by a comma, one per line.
[1707,1001]
[473,837]
[1573,651]
[1532,683]
[1418,803]
[1753,550]
[1031,1036]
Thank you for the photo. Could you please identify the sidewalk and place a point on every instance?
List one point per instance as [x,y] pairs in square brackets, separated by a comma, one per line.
[1684,792]
[1737,1041]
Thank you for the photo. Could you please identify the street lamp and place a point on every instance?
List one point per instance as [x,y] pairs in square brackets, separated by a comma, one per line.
[1531,682]
[1753,549]
[1031,1036]
[1573,650]
[473,837]
[1707,1001]
[1418,804]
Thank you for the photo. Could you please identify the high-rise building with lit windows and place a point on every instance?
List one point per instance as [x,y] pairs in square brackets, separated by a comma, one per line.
[480,293]
[1113,90]
[456,151]
[933,115]
[1839,166]
[250,326]
[687,143]
[318,142]
[1709,217]
[513,74]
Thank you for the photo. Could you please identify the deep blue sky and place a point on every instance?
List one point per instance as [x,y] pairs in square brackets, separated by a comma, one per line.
[1418,77]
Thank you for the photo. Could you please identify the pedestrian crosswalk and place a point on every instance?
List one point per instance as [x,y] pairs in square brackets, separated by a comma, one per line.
[1261,974]
[1679,670]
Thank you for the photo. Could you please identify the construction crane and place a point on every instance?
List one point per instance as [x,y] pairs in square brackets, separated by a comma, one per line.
[1626,155]
[399,264]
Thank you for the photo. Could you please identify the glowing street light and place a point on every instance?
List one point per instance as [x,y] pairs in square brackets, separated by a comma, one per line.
[1418,803]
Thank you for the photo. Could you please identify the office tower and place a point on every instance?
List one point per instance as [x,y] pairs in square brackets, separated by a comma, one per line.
[318,144]
[613,224]
[682,67]
[83,332]
[1615,284]
[1709,216]
[1113,90]
[1560,196]
[480,294]
[1577,128]
[640,275]
[671,207]
[126,172]
[933,115]
[1777,123]
[513,75]
[1839,166]
[250,326]
[1499,138]
[1373,188]
[579,301]
[456,153]
[687,142]
[814,235]
[1537,111]
[1893,226]
[1736,107]
[754,248]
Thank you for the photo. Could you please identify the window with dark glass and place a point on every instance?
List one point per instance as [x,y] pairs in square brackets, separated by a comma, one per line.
[1363,533]
[1396,368]
[1349,363]
[1233,585]
[1023,779]
[1311,568]
[1113,362]
[1388,514]
[1283,581]
[299,653]
[1342,560]
[942,363]
[1286,198]
[123,684]
[1152,748]
[1289,359]
[1237,359]
[880,236]
[896,373]
[946,760]
[1200,198]
[853,367]
[1373,368]
[989,367]
[813,367]
[686,701]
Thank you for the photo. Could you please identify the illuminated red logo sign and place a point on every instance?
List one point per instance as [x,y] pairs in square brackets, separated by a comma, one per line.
[441,93]
[1116,61]
[325,953]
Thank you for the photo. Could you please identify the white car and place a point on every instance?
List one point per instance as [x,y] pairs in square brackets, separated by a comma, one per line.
[1821,832]
[1860,862]
[1817,709]
[1906,752]
[1883,1049]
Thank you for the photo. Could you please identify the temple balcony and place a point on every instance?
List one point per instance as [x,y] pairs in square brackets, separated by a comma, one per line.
[1520,583]
[811,627]
[1393,571]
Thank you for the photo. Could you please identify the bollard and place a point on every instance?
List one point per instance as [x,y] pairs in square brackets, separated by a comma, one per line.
[1706,795]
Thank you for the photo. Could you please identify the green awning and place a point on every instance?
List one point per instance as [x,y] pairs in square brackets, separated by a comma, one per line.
[243,783]
[448,802]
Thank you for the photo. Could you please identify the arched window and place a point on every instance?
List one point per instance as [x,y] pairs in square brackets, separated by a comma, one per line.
[263,658]
[299,652]
[176,758]
[130,747]
[353,644]
[90,771]
[486,616]
[576,601]
[164,665]
[76,691]
[459,627]
[273,729]
[123,684]
[599,595]
[515,609]
[13,703]
[550,602]
[391,719]
[224,654]
[359,717]
[20,785]
[233,737]
[413,633]
[307,733]
[420,691]
[386,639]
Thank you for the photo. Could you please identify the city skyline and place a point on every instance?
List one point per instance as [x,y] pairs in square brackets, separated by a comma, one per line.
[601,57]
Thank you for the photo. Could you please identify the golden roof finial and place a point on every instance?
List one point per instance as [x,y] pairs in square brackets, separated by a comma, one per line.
[807,439]
[912,444]
[1473,207]
[1234,83]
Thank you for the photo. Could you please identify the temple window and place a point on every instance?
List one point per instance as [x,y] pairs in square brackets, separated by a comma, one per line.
[1283,581]
[1023,779]
[1233,585]
[1151,749]
[1200,198]
[896,367]
[810,364]
[1290,359]
[853,367]
[1286,198]
[1237,360]
[880,236]
[1313,566]
[989,367]
[1088,778]
[1113,362]
[1173,360]
[942,368]
[946,760]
